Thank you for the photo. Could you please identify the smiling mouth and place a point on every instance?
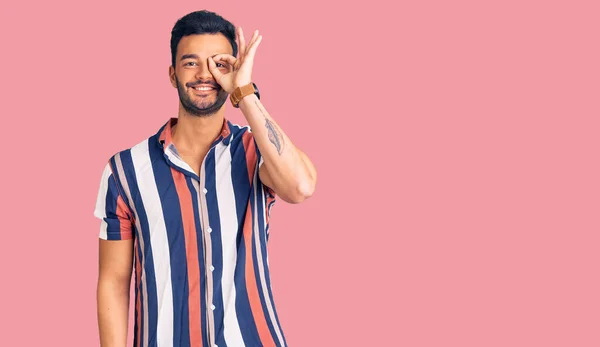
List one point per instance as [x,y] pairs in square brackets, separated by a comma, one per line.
[203,88]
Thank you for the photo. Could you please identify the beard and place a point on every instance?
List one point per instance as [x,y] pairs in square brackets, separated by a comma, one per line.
[203,107]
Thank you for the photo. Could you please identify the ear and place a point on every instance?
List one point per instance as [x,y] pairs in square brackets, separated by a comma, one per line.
[172,76]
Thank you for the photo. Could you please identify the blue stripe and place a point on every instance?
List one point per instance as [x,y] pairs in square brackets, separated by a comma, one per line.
[261,203]
[241,189]
[271,195]
[200,243]
[129,170]
[113,229]
[255,202]
[174,226]
[140,293]
[120,189]
[217,245]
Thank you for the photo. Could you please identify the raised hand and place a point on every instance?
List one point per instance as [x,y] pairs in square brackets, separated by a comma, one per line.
[240,68]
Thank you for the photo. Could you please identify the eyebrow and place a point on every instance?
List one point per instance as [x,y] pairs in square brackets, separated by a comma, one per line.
[189,56]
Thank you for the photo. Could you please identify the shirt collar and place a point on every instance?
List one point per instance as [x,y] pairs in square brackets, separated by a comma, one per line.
[165,140]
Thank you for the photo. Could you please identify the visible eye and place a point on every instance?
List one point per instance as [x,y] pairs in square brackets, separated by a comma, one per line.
[222,65]
[189,63]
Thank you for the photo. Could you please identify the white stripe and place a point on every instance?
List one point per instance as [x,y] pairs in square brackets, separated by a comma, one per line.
[103,233]
[100,210]
[229,226]
[261,268]
[158,241]
[176,159]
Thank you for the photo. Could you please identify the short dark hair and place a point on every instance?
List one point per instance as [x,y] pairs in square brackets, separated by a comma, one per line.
[201,22]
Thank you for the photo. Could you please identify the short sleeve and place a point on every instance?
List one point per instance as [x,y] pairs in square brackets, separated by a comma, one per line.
[114,214]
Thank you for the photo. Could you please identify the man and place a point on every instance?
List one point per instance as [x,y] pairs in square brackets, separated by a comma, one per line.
[188,208]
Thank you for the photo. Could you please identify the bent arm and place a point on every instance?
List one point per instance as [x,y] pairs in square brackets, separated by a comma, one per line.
[286,169]
[114,278]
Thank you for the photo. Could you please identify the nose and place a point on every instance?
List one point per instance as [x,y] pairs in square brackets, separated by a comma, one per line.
[203,72]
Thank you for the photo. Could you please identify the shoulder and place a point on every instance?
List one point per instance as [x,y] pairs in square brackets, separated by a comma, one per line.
[242,134]
[238,131]
[123,157]
[143,145]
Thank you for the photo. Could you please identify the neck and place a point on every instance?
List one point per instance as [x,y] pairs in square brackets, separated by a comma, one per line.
[195,134]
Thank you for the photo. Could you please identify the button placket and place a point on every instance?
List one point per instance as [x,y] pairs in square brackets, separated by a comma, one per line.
[206,236]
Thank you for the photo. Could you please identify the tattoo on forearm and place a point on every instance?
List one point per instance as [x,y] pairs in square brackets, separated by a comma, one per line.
[274,135]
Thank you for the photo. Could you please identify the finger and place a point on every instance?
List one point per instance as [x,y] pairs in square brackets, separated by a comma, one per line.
[252,40]
[247,47]
[225,58]
[230,62]
[214,70]
[241,43]
[252,48]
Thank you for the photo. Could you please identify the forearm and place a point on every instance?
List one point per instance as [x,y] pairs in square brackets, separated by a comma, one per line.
[113,311]
[289,169]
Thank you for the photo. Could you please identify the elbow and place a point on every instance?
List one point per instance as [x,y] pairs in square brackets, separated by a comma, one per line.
[306,189]
[303,191]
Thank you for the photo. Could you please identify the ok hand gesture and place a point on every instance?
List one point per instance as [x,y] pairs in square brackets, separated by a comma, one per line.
[240,69]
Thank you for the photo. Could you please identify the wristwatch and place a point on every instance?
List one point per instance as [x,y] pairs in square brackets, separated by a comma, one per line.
[240,92]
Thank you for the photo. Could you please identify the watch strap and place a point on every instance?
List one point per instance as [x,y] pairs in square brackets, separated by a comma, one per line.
[240,92]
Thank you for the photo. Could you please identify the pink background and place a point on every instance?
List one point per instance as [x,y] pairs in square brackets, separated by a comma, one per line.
[456,145]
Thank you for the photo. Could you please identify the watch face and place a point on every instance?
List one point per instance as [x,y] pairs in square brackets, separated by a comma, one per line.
[256,90]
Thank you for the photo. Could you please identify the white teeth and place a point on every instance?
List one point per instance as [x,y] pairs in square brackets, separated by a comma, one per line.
[203,88]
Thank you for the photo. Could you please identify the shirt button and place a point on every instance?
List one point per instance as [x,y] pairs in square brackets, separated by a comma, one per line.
[205,191]
[212,268]
[212,307]
[209,230]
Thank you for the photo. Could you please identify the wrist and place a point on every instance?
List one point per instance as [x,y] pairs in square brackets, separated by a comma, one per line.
[247,100]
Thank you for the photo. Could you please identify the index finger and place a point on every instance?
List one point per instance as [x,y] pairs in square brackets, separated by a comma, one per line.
[225,57]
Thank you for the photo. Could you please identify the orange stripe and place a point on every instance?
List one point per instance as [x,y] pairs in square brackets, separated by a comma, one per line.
[138,270]
[125,226]
[251,286]
[166,133]
[191,252]
[249,148]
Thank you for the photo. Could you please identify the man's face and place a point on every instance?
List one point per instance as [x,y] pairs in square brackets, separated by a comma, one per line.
[199,93]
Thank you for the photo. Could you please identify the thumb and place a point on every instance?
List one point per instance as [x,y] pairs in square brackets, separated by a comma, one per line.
[212,67]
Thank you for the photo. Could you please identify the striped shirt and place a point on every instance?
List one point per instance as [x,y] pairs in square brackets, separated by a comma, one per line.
[200,242]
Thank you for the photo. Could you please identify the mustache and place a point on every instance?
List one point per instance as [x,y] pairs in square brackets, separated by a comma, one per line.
[206,83]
